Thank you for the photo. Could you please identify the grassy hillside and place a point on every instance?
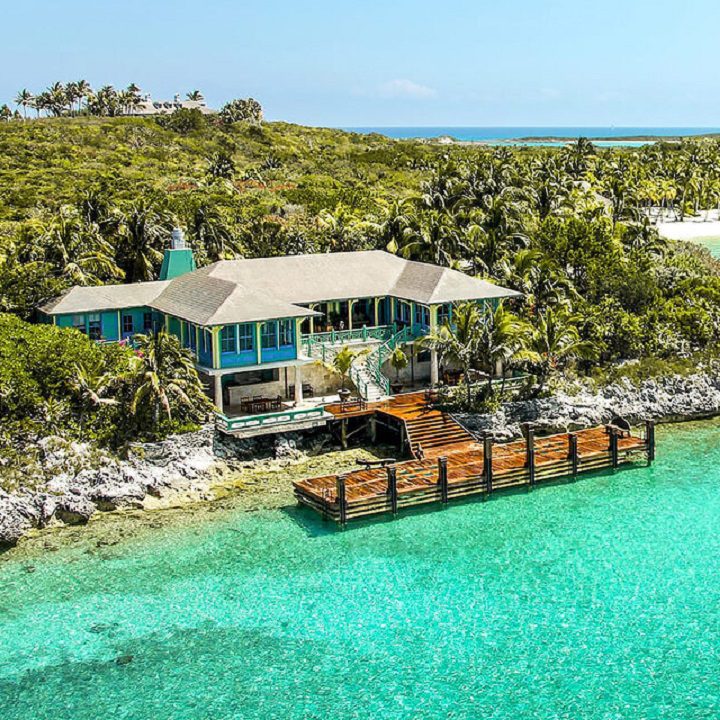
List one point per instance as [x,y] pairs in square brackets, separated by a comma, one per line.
[47,163]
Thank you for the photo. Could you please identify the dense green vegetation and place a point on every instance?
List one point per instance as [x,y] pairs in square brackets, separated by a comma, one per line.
[55,381]
[92,200]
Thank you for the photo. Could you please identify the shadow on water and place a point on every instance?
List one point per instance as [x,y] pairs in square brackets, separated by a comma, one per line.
[315,526]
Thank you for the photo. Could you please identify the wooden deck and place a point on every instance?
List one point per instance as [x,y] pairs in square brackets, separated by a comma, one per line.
[465,466]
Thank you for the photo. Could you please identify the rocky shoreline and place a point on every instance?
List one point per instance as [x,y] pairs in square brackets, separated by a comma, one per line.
[76,482]
[667,399]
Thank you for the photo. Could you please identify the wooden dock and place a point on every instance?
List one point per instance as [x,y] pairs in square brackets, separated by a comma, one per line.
[464,466]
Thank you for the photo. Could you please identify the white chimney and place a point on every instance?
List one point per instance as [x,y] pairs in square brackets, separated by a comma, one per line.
[177,239]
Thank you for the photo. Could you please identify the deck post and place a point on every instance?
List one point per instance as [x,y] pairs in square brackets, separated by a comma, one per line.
[443,479]
[343,434]
[530,451]
[392,489]
[487,461]
[650,440]
[613,446]
[573,452]
[342,499]
[373,428]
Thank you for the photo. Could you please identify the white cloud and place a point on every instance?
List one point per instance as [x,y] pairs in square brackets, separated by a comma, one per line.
[402,88]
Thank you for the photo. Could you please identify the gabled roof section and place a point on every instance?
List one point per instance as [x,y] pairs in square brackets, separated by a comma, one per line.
[203,299]
[97,298]
[431,284]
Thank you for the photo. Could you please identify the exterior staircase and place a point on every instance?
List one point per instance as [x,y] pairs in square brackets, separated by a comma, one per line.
[436,430]
[362,377]
[366,373]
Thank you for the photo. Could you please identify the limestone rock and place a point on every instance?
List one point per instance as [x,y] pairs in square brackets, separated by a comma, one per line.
[74,510]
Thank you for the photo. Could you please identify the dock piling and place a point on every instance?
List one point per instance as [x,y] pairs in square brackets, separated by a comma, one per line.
[392,488]
[612,430]
[573,452]
[530,452]
[650,440]
[342,499]
[443,479]
[487,462]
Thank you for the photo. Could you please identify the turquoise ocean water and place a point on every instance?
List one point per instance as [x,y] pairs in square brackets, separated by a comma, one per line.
[598,599]
[537,135]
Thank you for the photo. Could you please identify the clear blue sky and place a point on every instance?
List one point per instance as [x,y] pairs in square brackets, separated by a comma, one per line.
[395,62]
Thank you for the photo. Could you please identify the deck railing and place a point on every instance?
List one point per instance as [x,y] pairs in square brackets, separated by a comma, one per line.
[246,422]
[342,337]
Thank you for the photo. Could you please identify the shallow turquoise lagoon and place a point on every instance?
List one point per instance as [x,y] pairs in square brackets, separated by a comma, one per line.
[712,243]
[594,599]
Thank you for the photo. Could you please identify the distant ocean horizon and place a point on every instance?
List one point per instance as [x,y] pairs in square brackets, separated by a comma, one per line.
[540,135]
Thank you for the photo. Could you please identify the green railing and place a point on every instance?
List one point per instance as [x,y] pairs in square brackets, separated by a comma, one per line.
[375,359]
[342,337]
[247,422]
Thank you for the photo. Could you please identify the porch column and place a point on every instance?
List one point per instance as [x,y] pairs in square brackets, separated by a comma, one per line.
[298,385]
[215,331]
[258,342]
[312,319]
[434,373]
[350,305]
[376,302]
[218,392]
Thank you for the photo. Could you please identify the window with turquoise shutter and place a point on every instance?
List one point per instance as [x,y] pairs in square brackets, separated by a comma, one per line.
[94,326]
[127,325]
[287,335]
[227,339]
[78,322]
[269,335]
[246,337]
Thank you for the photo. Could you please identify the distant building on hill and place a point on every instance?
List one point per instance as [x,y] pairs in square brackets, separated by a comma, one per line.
[148,106]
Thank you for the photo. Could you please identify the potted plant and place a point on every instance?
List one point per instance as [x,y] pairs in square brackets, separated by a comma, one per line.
[398,361]
[341,365]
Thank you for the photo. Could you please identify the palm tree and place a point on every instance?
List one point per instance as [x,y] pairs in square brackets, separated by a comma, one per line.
[77,250]
[143,231]
[24,99]
[83,90]
[502,339]
[435,240]
[556,341]
[457,344]
[163,380]
[208,229]
[342,363]
[195,95]
[92,389]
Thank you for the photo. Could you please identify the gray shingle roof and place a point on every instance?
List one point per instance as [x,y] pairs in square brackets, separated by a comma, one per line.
[105,297]
[233,291]
[340,276]
[206,300]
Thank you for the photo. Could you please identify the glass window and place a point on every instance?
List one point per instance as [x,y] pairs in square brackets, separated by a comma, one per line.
[192,339]
[246,337]
[227,339]
[287,336]
[78,322]
[147,322]
[269,335]
[444,313]
[94,326]
[185,327]
[422,315]
[127,325]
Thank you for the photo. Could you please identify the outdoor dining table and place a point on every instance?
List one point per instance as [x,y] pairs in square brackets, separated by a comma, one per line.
[260,404]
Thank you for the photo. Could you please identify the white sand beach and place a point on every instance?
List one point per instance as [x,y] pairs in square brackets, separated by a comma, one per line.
[705,225]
